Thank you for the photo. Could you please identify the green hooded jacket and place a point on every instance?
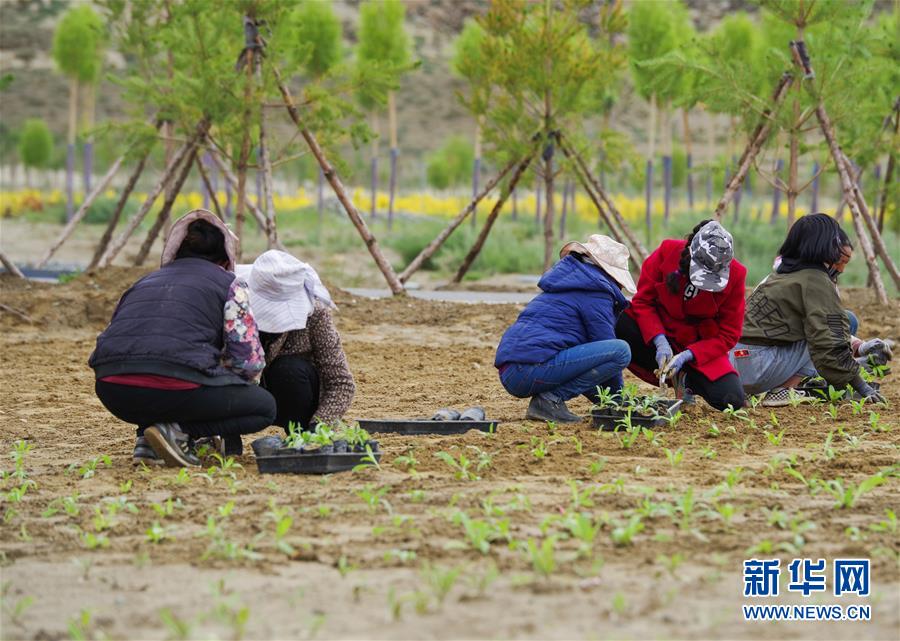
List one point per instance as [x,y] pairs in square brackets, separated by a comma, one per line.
[804,305]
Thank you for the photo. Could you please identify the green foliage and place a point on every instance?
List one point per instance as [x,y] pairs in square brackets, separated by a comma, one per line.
[451,165]
[318,36]
[469,62]
[654,30]
[381,33]
[78,43]
[35,143]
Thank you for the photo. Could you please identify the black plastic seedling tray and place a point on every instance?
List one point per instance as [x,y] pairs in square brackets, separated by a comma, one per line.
[607,418]
[424,426]
[289,461]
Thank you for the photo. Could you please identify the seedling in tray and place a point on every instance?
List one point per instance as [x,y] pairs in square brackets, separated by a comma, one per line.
[326,449]
[642,411]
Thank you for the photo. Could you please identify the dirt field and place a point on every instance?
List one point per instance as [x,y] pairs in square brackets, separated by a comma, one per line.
[404,567]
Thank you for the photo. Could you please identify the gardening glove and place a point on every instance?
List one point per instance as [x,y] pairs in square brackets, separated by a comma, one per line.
[663,351]
[680,360]
[877,350]
[867,392]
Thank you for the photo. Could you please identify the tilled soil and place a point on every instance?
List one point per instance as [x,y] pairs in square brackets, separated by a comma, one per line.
[354,564]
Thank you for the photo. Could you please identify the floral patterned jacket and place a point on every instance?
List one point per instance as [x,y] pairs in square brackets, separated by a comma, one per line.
[243,352]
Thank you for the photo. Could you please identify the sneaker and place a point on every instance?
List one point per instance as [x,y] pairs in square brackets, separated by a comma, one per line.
[172,445]
[144,454]
[781,397]
[545,408]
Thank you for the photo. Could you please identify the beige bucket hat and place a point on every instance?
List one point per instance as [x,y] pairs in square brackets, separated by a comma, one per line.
[607,254]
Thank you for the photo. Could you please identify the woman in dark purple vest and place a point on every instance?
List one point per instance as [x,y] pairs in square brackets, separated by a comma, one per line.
[181,357]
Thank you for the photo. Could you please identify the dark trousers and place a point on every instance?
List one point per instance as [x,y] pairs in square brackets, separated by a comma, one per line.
[230,410]
[294,382]
[719,393]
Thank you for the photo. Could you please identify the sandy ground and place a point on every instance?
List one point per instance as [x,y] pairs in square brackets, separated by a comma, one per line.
[356,572]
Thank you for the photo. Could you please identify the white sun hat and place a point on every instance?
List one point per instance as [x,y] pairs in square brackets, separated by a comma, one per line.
[283,291]
[607,254]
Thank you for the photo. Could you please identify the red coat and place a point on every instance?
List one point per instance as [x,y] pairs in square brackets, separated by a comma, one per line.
[709,324]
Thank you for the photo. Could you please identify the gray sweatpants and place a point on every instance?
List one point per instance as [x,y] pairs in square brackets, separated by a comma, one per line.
[767,366]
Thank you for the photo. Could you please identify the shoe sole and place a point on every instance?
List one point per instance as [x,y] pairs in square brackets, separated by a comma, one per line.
[172,456]
[137,461]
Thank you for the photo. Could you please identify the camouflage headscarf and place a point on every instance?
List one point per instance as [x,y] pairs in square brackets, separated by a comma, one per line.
[712,250]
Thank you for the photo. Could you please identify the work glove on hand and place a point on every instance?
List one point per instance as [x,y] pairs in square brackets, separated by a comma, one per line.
[679,361]
[867,392]
[877,349]
[663,351]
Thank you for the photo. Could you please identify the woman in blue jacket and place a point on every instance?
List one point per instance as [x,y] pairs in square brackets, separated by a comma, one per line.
[564,344]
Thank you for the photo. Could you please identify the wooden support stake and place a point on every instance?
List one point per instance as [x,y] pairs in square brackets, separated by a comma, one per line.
[117,213]
[489,222]
[116,246]
[435,244]
[198,161]
[756,141]
[233,181]
[638,249]
[11,266]
[82,211]
[166,210]
[268,189]
[331,175]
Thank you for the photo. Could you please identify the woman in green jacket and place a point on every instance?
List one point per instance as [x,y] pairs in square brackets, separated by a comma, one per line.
[795,325]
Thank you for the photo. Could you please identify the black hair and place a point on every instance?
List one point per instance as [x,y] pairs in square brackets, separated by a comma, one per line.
[203,240]
[684,264]
[816,239]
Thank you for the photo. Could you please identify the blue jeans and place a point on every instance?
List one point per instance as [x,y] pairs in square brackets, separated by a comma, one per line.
[572,372]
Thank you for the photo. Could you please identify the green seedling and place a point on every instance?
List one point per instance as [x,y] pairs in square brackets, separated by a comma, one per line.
[20,451]
[89,469]
[68,504]
[543,556]
[220,547]
[408,462]
[671,563]
[81,628]
[847,494]
[417,496]
[459,466]
[828,452]
[576,442]
[596,466]
[480,533]
[651,436]
[623,533]
[178,628]
[344,567]
[629,434]
[605,398]
[775,439]
[539,448]
[733,477]
[685,506]
[281,517]
[583,527]
[739,414]
[714,430]
[183,477]
[675,457]
[400,556]
[156,533]
[755,400]
[92,541]
[16,494]
[551,428]
[727,511]
[369,461]
[875,423]
[482,581]
[125,488]
[168,507]
[13,610]
[795,399]
[832,412]
[581,497]
[440,580]
[324,511]
[672,420]
[485,459]
[374,498]
[708,452]
[619,604]
[743,446]
[889,524]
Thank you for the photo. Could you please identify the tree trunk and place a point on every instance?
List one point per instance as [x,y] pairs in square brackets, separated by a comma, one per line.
[889,172]
[70,148]
[392,125]
[515,205]
[231,180]
[711,155]
[489,222]
[667,161]
[166,210]
[793,165]
[393,282]
[117,213]
[374,165]
[814,190]
[776,193]
[208,186]
[320,195]
[10,266]
[268,201]
[87,125]
[476,166]
[689,153]
[537,201]
[648,175]
[244,156]
[567,187]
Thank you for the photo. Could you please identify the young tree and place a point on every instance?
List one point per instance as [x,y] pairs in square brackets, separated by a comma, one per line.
[450,165]
[469,63]
[318,49]
[543,66]
[383,38]
[78,53]
[35,146]
[654,30]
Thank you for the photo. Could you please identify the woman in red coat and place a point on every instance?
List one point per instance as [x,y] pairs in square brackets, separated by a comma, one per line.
[687,314]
